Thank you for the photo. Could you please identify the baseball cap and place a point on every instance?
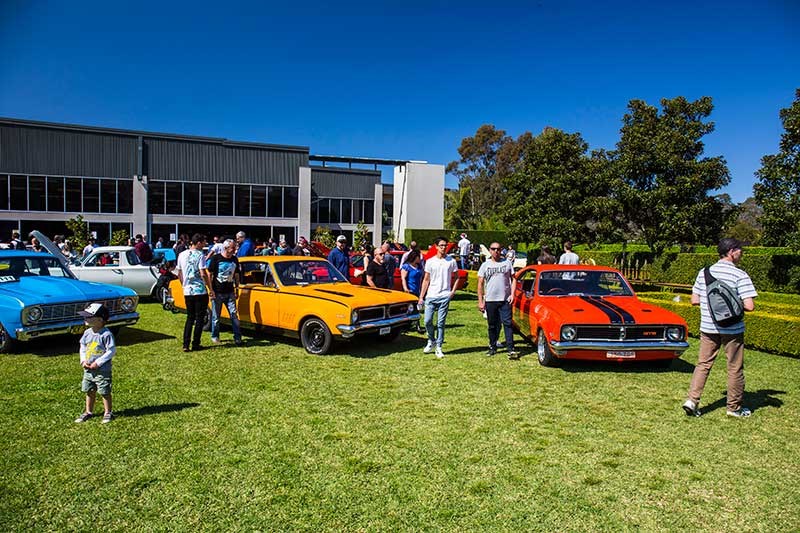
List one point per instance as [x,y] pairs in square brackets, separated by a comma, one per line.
[95,309]
[341,238]
[728,244]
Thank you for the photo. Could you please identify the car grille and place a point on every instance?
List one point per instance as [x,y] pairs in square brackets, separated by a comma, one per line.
[616,333]
[398,310]
[370,313]
[69,311]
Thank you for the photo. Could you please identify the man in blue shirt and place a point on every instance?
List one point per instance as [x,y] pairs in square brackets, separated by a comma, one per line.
[338,256]
[245,245]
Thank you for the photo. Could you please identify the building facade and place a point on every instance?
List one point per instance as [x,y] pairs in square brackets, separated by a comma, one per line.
[165,185]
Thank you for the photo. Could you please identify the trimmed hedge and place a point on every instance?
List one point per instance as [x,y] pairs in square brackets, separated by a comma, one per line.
[425,236]
[697,249]
[772,327]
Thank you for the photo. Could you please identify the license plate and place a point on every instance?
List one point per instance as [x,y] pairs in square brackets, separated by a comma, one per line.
[621,355]
[384,331]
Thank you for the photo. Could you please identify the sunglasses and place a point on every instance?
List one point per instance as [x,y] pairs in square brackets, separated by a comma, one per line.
[443,244]
[494,248]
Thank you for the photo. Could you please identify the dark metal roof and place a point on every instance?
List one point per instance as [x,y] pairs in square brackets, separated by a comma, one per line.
[360,160]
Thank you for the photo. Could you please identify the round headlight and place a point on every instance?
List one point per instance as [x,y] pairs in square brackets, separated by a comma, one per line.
[568,333]
[411,309]
[128,304]
[674,333]
[354,317]
[33,314]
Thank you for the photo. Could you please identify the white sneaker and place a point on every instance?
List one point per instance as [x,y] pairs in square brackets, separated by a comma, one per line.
[439,352]
[215,340]
[691,408]
[428,347]
[742,412]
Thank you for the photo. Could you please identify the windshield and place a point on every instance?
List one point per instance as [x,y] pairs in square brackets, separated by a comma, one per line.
[583,283]
[306,272]
[14,268]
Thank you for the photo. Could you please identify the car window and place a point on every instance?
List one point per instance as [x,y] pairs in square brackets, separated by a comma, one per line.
[526,280]
[132,258]
[12,269]
[307,272]
[357,261]
[583,283]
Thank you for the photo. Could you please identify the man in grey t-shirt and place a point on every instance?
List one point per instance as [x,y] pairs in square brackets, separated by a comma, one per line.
[496,285]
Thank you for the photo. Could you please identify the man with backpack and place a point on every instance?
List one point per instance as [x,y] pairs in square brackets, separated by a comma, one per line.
[723,291]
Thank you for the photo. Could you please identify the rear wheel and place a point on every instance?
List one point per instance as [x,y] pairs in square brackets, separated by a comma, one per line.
[315,336]
[543,351]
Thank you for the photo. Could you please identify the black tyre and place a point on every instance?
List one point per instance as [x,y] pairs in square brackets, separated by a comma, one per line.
[7,344]
[315,336]
[543,352]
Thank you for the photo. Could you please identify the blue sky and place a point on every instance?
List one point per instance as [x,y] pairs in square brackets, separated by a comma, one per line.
[402,80]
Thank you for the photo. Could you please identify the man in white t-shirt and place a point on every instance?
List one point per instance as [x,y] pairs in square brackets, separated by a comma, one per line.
[714,337]
[568,257]
[436,293]
[464,249]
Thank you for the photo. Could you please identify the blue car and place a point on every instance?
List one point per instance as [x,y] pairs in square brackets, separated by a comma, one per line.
[39,296]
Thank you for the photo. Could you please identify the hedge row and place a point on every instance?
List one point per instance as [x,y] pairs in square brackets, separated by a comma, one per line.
[426,236]
[765,331]
[697,249]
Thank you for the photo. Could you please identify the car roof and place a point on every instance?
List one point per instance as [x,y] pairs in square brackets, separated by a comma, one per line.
[279,258]
[545,268]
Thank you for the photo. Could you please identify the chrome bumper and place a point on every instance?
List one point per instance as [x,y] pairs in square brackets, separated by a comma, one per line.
[348,330]
[561,347]
[78,326]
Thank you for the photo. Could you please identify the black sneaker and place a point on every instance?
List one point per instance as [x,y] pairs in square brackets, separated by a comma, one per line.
[491,352]
[83,418]
[108,417]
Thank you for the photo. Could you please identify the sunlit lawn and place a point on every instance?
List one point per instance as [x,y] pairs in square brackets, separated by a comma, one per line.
[382,437]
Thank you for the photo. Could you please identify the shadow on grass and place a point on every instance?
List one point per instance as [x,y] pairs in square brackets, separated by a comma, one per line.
[156,409]
[753,400]
[129,336]
[632,367]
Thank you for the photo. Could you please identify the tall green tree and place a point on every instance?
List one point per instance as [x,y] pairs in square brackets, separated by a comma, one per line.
[661,177]
[778,189]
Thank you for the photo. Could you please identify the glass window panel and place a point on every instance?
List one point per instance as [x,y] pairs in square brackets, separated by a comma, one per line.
[290,200]
[335,212]
[275,202]
[258,204]
[242,201]
[224,200]
[174,198]
[369,213]
[347,210]
[55,194]
[4,192]
[314,209]
[191,198]
[125,196]
[324,210]
[73,195]
[108,196]
[91,195]
[36,193]
[155,197]
[208,199]
[19,193]
[358,211]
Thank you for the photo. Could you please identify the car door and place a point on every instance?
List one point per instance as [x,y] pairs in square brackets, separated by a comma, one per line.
[135,275]
[102,267]
[259,298]
[523,301]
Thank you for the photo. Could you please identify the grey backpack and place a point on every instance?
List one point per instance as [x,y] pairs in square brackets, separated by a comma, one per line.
[724,304]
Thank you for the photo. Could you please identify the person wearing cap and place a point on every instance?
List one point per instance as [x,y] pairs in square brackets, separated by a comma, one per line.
[338,256]
[97,348]
[713,337]
[464,247]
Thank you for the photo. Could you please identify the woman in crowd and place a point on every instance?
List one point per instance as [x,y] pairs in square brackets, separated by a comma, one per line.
[411,274]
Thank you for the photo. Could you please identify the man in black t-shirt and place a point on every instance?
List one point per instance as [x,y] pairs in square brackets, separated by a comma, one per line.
[224,271]
[376,272]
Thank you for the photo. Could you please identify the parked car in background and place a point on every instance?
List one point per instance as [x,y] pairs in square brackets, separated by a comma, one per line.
[307,297]
[520,261]
[118,265]
[357,271]
[39,296]
[592,313]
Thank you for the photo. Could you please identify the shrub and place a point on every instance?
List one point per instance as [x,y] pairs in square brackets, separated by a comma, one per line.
[425,236]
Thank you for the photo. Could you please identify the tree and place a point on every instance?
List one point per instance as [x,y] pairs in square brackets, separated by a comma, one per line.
[661,180]
[745,225]
[778,189]
[119,238]
[80,233]
[361,235]
[323,234]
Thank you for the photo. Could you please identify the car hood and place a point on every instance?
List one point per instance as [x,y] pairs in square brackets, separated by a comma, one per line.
[51,290]
[352,295]
[609,310]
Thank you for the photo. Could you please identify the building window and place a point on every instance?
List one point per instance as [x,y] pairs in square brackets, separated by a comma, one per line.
[242,200]
[91,195]
[36,194]
[191,198]
[324,215]
[4,192]
[275,202]
[19,193]
[335,211]
[290,201]
[258,203]
[174,198]
[73,193]
[55,194]
[369,211]
[347,212]
[155,197]
[208,199]
[224,200]
[108,196]
[125,196]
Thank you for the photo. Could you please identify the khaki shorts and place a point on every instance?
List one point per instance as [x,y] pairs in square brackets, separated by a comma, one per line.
[96,381]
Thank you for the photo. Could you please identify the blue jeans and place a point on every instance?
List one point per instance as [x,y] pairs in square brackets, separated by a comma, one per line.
[498,313]
[432,305]
[229,299]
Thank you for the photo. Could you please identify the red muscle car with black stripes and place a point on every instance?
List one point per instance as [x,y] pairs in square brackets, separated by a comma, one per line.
[591,313]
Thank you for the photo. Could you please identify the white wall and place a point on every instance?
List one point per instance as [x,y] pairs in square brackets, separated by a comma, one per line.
[418,198]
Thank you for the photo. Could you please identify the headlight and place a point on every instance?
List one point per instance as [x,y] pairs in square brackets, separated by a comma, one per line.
[32,314]
[354,317]
[411,309]
[674,333]
[568,333]
[128,304]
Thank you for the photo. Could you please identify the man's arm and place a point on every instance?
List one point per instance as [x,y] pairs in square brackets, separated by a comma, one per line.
[481,303]
[749,304]
[513,286]
[695,299]
[426,281]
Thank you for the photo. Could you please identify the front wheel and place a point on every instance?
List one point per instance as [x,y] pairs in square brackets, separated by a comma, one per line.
[6,342]
[543,351]
[315,336]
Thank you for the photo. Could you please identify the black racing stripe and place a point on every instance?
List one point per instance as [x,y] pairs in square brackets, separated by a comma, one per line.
[612,315]
[626,316]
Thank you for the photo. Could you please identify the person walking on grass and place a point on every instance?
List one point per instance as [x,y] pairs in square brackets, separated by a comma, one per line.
[97,348]
[223,270]
[194,278]
[569,257]
[496,285]
[714,337]
[436,292]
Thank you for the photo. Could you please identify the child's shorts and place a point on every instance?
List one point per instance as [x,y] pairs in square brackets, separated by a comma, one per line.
[96,380]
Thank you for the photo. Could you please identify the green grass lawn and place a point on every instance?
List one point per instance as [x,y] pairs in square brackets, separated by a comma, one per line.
[381,437]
